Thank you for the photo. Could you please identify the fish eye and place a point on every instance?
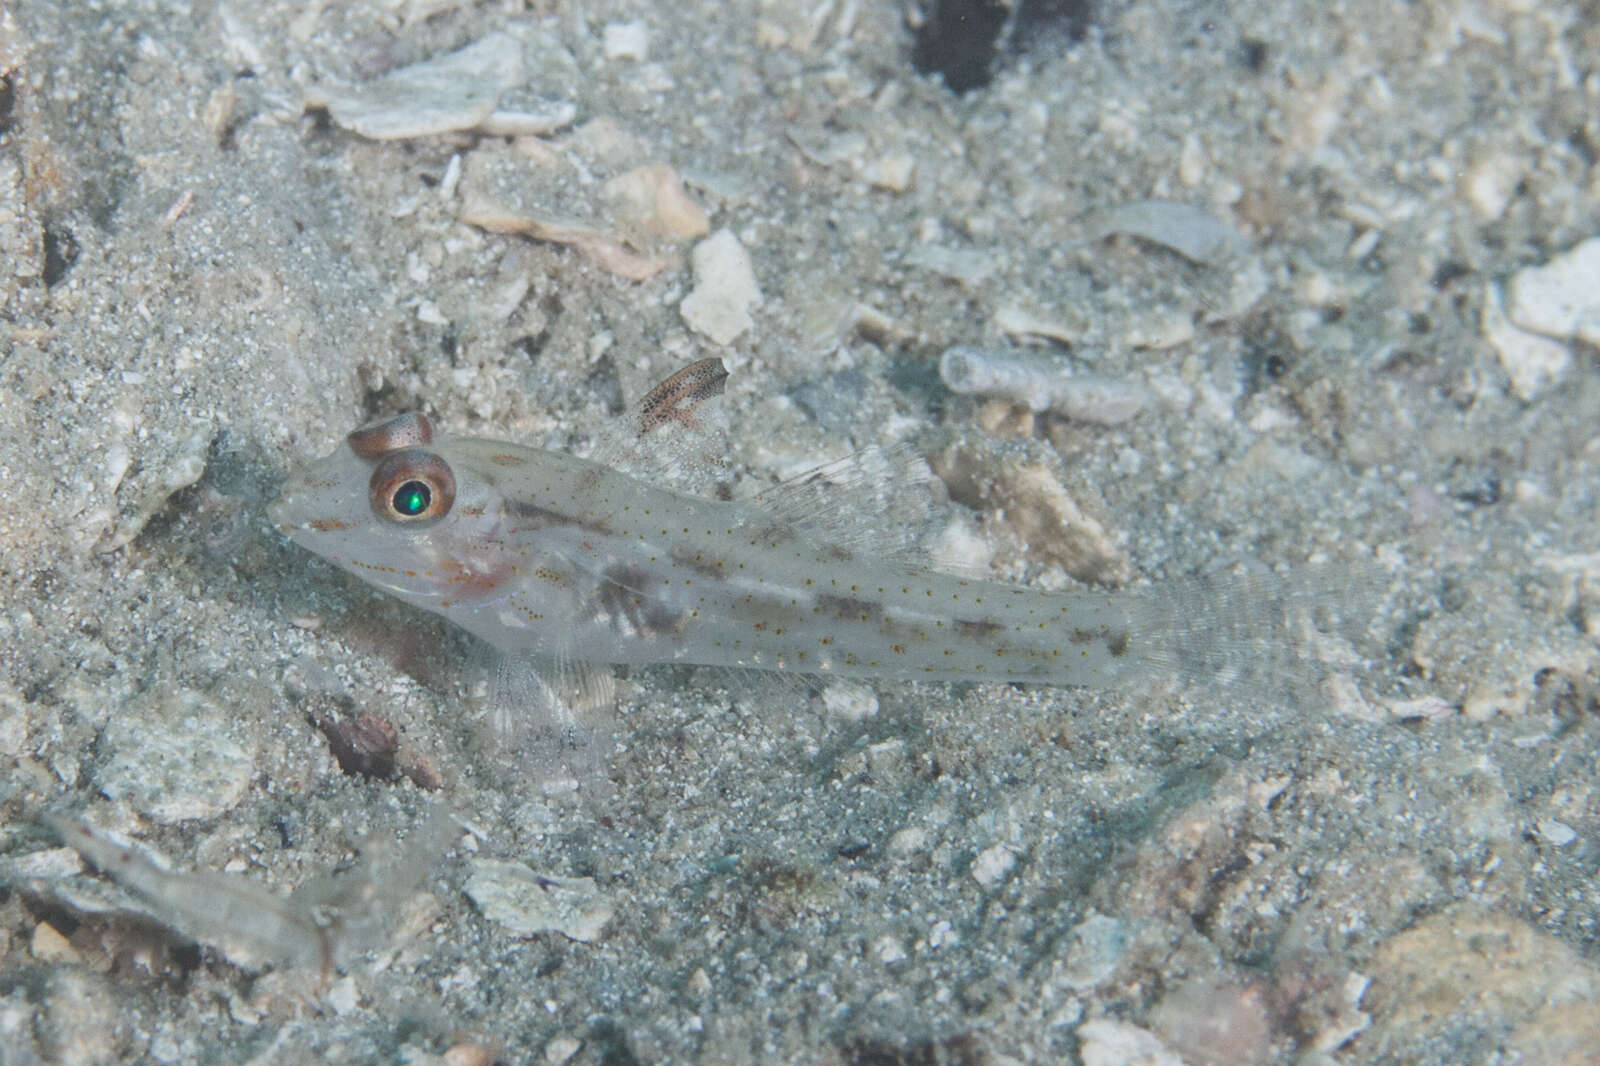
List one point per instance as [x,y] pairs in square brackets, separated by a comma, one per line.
[411,487]
[412,499]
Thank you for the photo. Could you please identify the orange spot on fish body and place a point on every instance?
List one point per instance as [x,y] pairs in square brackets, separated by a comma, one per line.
[474,581]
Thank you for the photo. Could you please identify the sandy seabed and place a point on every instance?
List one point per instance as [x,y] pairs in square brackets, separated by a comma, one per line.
[1363,320]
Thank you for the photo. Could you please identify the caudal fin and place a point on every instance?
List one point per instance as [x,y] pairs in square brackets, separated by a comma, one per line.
[1258,635]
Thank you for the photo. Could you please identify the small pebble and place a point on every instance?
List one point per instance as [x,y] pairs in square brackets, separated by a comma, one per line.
[993,865]
[1103,1042]
[1490,184]
[174,760]
[1532,362]
[528,903]
[13,727]
[343,996]
[1096,947]
[1561,298]
[626,40]
[1558,834]
[725,289]
[561,1048]
[911,840]
[48,945]
[893,172]
[470,1055]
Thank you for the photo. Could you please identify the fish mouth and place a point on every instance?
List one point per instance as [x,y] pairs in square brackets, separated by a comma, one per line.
[278,514]
[291,511]
[283,513]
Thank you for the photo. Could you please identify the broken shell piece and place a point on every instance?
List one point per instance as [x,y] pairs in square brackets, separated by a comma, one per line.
[1019,322]
[1036,507]
[1189,231]
[1561,298]
[471,1055]
[1427,708]
[1040,384]
[968,266]
[605,249]
[652,199]
[534,120]
[626,40]
[1160,330]
[1531,361]
[528,903]
[893,171]
[725,289]
[457,91]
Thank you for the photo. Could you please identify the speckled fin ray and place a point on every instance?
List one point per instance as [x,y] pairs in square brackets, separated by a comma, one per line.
[880,500]
[676,398]
[676,433]
[552,719]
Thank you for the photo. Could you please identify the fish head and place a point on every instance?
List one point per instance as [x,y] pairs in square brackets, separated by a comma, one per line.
[390,506]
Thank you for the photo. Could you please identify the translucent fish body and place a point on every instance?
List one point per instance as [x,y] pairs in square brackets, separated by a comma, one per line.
[543,552]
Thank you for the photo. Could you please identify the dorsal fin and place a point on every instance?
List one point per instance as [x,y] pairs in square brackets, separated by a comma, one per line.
[675,434]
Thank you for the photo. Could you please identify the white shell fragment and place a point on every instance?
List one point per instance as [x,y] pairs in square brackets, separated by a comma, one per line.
[458,91]
[1560,834]
[1040,384]
[1020,322]
[1159,330]
[968,266]
[993,865]
[531,121]
[1189,231]
[1561,298]
[894,171]
[1105,1042]
[626,40]
[725,289]
[528,903]
[1531,362]
[1097,945]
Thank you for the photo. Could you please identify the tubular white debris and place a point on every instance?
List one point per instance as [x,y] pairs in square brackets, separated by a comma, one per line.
[1041,384]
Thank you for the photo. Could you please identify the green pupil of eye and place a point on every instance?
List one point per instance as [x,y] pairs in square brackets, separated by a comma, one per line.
[412,499]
